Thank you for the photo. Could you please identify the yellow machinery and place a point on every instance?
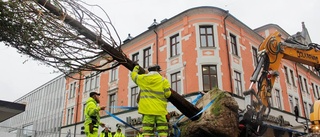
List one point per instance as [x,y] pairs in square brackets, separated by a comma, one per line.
[271,51]
[315,117]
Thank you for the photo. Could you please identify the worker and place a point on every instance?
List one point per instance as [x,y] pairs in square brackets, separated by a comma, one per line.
[140,133]
[106,132]
[92,116]
[154,91]
[118,133]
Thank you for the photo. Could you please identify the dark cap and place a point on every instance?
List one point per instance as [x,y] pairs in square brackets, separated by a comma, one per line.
[154,68]
[94,93]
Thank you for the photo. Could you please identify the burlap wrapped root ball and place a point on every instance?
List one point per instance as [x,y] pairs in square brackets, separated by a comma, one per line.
[220,119]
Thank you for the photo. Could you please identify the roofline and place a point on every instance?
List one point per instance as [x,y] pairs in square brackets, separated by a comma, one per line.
[195,8]
[271,25]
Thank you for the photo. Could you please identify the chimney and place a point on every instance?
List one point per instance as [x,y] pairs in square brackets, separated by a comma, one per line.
[153,25]
[127,39]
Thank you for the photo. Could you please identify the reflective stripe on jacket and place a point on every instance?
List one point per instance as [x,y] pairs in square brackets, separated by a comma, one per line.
[91,114]
[154,91]
[118,135]
[139,135]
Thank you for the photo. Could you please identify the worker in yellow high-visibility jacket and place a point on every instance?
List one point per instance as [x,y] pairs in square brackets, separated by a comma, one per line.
[92,116]
[106,132]
[154,91]
[140,133]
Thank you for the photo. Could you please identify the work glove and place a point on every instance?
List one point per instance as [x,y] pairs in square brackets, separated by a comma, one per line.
[136,68]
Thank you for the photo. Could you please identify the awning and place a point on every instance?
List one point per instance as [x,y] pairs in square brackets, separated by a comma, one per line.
[10,109]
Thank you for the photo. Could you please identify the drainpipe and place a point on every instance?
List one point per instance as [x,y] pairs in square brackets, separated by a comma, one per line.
[226,36]
[303,107]
[157,49]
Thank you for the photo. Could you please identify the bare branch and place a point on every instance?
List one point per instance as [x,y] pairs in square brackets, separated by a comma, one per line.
[35,31]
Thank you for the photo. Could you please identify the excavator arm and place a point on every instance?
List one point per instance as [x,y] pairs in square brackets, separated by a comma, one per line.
[271,52]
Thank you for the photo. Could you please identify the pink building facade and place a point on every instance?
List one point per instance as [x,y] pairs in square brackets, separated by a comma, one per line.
[198,50]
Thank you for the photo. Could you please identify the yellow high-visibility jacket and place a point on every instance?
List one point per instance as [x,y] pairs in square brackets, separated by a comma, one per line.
[139,135]
[118,135]
[91,115]
[103,134]
[154,91]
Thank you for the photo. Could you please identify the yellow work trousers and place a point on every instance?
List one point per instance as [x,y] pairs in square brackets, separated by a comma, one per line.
[148,122]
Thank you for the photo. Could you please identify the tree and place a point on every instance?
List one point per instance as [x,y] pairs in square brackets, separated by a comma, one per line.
[40,33]
[65,35]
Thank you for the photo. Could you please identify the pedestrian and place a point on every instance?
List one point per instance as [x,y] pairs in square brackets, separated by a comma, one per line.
[140,133]
[118,133]
[92,116]
[154,91]
[106,132]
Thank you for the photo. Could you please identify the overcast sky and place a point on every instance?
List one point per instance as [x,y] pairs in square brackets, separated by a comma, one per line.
[135,16]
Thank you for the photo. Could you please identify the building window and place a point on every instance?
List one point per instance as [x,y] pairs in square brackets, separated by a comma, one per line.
[68,117]
[176,82]
[209,77]
[134,96]
[97,81]
[317,91]
[113,73]
[292,78]
[71,116]
[135,57]
[300,82]
[234,46]
[255,56]
[286,73]
[83,112]
[291,103]
[72,90]
[271,101]
[206,36]
[238,83]
[314,91]
[278,99]
[91,82]
[174,45]
[309,110]
[112,103]
[146,57]
[306,85]
[297,103]
[305,109]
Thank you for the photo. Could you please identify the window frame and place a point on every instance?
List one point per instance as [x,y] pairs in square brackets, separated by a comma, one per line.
[255,56]
[175,45]
[286,74]
[112,102]
[306,85]
[301,84]
[291,103]
[292,78]
[234,44]
[238,82]
[209,76]
[113,73]
[206,36]
[278,98]
[135,57]
[175,84]
[146,57]
[134,96]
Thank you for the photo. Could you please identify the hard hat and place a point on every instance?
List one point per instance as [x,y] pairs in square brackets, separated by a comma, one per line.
[154,68]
